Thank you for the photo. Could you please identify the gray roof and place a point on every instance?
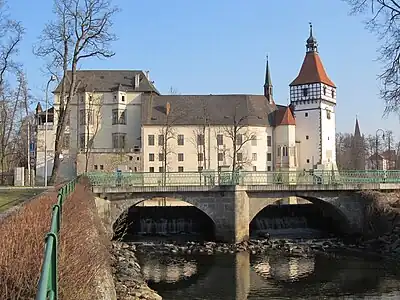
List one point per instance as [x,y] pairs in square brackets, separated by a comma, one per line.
[219,109]
[111,80]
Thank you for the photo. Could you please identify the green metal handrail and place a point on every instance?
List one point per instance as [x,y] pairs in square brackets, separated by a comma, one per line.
[215,178]
[48,283]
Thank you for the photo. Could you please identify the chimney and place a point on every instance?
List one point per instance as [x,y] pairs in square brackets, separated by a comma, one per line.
[147,75]
[137,80]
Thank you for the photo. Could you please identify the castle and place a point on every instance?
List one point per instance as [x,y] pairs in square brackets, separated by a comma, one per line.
[119,121]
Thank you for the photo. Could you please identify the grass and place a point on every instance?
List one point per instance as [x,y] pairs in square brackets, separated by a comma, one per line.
[82,254]
[12,197]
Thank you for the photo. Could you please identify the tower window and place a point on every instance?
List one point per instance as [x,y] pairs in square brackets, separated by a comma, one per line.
[308,161]
[328,114]
[324,90]
[305,92]
[307,137]
[306,115]
[333,93]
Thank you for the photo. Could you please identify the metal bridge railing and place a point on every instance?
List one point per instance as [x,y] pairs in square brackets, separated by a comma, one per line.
[215,178]
[48,283]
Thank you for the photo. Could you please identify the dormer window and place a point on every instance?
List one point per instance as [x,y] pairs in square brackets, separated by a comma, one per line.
[305,92]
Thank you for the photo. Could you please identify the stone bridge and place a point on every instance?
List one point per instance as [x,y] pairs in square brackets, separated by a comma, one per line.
[232,208]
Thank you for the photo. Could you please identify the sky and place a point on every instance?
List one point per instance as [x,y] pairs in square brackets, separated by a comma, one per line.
[220,47]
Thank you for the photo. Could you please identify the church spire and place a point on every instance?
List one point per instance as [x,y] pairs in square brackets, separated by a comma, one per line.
[357,132]
[312,45]
[268,83]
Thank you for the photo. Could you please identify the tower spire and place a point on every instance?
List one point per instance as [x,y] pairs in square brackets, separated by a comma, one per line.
[268,83]
[312,44]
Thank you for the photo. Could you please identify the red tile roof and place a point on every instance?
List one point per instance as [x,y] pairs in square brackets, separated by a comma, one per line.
[312,71]
[284,116]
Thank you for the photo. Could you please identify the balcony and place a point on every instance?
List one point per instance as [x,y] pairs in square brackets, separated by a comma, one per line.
[135,150]
[50,126]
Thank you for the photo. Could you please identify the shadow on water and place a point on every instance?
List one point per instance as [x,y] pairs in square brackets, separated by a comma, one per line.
[243,276]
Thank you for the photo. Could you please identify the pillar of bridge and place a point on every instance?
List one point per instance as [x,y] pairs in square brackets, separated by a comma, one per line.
[232,217]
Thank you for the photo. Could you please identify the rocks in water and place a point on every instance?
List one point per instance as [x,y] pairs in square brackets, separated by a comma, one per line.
[129,283]
[292,247]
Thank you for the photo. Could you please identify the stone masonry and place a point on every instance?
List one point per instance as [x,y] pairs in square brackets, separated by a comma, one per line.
[232,208]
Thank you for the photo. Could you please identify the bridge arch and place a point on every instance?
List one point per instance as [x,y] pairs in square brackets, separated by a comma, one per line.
[121,207]
[327,208]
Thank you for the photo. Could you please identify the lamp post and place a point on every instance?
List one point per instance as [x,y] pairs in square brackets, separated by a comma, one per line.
[52,78]
[377,144]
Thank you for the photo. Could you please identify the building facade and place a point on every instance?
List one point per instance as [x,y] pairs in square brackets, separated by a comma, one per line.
[119,121]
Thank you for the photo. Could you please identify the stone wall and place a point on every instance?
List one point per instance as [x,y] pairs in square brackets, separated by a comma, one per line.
[109,162]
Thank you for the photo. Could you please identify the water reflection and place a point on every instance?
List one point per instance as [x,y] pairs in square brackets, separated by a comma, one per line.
[242,276]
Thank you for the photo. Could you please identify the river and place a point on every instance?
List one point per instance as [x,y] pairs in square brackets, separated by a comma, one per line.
[274,276]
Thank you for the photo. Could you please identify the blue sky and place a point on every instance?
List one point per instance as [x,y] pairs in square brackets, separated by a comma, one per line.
[211,47]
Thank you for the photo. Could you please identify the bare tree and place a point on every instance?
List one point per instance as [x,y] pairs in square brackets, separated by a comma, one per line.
[82,30]
[238,133]
[384,21]
[166,135]
[199,139]
[92,121]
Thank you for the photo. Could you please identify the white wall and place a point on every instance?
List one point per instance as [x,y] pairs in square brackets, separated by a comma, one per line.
[190,150]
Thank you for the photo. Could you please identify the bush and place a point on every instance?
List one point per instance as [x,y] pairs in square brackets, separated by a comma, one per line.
[81,255]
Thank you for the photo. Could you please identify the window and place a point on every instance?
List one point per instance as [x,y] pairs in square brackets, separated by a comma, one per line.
[254,156]
[269,157]
[82,117]
[123,98]
[151,169]
[220,139]
[220,156]
[118,140]
[200,139]
[239,156]
[305,92]
[200,157]
[239,139]
[308,161]
[284,151]
[86,116]
[160,156]
[96,167]
[279,151]
[160,140]
[199,169]
[130,157]
[333,93]
[180,156]
[151,156]
[82,141]
[161,169]
[269,168]
[180,169]
[254,140]
[101,167]
[306,115]
[307,137]
[66,141]
[118,116]
[150,140]
[324,90]
[328,114]
[269,141]
[254,168]
[181,140]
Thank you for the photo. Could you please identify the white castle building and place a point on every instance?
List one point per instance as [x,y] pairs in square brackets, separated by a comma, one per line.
[119,121]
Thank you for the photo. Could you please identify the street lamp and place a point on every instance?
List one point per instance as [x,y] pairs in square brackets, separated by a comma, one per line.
[376,145]
[52,78]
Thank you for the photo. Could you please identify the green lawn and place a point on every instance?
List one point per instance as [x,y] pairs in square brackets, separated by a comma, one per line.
[9,198]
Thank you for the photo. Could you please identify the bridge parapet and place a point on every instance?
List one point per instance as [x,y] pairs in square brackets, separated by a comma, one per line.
[245,178]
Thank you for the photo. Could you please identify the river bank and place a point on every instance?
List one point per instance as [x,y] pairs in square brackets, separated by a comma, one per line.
[128,280]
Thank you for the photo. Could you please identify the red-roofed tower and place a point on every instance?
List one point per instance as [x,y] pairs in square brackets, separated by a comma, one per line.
[313,97]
